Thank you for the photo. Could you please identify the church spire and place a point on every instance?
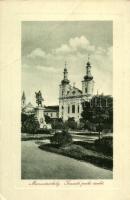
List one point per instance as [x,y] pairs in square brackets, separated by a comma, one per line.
[88,75]
[23,99]
[23,96]
[65,72]
[65,79]
[88,82]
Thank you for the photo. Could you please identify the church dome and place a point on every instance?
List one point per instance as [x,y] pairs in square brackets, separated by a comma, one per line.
[88,78]
[65,81]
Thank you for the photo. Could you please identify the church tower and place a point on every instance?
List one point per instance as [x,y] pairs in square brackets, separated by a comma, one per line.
[64,86]
[63,91]
[88,82]
[23,100]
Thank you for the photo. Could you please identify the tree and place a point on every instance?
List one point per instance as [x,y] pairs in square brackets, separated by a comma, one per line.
[48,120]
[23,117]
[70,123]
[57,123]
[105,145]
[61,138]
[29,124]
[99,111]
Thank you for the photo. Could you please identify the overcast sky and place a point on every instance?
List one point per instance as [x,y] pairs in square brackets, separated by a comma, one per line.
[47,45]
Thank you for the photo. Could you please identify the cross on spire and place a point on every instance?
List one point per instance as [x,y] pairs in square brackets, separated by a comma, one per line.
[65,64]
[88,63]
[88,57]
[65,72]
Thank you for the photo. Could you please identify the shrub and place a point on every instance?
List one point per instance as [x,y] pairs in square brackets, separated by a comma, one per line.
[29,124]
[105,145]
[71,124]
[43,131]
[48,120]
[80,126]
[75,151]
[89,126]
[61,138]
[57,124]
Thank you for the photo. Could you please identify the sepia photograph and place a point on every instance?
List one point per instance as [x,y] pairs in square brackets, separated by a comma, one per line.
[67,100]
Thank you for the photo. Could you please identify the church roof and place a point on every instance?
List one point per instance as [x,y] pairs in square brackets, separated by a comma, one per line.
[74,92]
[52,108]
[29,105]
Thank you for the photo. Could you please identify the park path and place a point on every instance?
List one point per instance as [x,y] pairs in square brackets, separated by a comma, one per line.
[39,164]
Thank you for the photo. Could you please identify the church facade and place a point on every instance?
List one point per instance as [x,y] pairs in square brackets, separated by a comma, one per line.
[71,98]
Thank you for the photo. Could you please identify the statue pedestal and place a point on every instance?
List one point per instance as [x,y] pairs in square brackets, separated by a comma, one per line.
[40,116]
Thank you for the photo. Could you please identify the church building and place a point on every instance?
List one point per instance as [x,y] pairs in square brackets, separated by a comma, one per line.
[71,98]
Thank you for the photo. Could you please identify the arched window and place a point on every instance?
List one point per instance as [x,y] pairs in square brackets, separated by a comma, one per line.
[68,109]
[73,108]
[62,107]
[78,108]
[86,90]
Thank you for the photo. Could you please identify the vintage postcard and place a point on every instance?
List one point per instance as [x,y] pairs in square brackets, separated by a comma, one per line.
[56,111]
[63,83]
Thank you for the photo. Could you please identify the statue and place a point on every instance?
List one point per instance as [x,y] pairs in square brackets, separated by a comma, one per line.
[39,98]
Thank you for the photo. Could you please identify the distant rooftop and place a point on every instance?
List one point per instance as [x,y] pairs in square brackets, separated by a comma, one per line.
[54,108]
[29,105]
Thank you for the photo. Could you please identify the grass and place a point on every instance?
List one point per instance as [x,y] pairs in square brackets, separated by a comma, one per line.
[80,153]
[92,146]
[79,150]
[26,137]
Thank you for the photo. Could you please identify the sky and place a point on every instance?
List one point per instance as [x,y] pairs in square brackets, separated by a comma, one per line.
[47,45]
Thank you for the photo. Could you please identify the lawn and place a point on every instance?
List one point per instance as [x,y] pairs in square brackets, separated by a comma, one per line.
[80,153]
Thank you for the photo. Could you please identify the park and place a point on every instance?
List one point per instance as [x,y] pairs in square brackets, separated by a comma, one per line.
[69,150]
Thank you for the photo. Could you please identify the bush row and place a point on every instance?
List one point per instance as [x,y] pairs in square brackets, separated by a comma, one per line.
[78,152]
